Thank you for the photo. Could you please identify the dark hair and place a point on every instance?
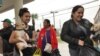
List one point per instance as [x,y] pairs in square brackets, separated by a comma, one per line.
[48,21]
[75,9]
[22,11]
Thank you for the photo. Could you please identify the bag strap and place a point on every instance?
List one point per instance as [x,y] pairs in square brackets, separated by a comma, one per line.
[46,38]
[46,35]
[82,28]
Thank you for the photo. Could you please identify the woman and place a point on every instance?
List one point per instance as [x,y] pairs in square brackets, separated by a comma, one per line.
[24,15]
[47,35]
[76,31]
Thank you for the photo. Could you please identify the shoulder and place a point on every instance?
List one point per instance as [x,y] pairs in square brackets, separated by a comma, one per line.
[86,21]
[67,22]
[14,32]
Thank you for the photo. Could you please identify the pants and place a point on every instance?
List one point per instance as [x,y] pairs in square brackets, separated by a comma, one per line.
[29,51]
[45,54]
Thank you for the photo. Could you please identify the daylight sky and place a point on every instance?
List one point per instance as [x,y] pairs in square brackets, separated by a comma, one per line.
[44,7]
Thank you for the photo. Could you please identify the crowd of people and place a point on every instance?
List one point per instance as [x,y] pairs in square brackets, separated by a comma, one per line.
[23,40]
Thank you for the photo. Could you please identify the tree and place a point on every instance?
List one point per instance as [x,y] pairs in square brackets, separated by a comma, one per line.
[34,16]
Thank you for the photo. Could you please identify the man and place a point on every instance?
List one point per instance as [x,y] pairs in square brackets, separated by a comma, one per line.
[5,34]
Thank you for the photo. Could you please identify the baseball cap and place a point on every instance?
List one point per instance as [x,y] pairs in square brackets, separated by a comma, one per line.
[7,20]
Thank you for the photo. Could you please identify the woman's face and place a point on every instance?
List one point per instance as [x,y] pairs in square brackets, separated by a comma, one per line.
[78,14]
[26,17]
[45,24]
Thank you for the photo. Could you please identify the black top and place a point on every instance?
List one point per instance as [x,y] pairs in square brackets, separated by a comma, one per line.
[6,32]
[72,32]
[29,31]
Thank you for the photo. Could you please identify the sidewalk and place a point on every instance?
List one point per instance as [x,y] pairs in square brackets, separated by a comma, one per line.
[63,48]
[1,55]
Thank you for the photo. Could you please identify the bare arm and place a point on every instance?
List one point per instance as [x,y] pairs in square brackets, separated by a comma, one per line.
[26,37]
[33,35]
[12,38]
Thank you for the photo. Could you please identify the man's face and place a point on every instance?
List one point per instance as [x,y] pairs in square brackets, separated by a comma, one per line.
[5,24]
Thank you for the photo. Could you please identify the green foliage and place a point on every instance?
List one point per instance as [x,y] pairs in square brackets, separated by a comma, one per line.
[34,16]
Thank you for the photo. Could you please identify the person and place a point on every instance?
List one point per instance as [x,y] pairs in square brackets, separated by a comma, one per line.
[76,32]
[1,45]
[25,15]
[5,33]
[47,35]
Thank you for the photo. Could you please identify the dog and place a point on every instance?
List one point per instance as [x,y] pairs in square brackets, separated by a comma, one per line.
[21,36]
[96,37]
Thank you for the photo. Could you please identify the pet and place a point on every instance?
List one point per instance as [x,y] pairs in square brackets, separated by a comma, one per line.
[21,36]
[96,37]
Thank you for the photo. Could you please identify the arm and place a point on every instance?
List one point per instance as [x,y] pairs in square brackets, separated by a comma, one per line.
[33,35]
[55,39]
[13,39]
[26,37]
[39,41]
[65,34]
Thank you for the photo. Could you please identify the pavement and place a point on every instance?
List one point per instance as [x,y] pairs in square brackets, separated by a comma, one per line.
[63,48]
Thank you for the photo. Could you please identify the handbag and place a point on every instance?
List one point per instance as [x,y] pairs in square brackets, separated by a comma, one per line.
[37,52]
[86,51]
[48,47]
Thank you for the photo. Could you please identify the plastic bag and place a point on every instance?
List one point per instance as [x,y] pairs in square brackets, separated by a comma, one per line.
[37,52]
[48,48]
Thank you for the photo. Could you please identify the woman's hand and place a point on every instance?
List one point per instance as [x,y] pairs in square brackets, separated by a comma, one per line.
[81,43]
